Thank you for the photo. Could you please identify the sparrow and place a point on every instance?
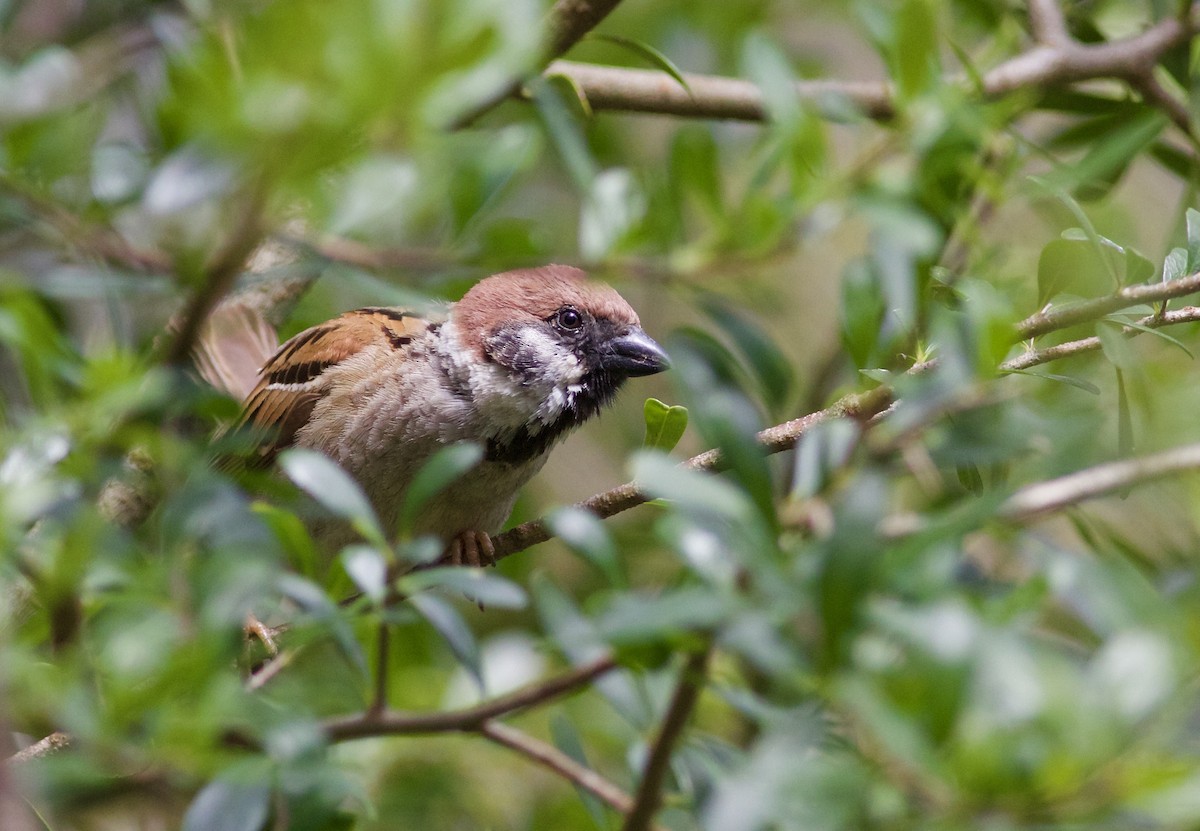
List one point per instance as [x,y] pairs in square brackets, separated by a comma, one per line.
[522,359]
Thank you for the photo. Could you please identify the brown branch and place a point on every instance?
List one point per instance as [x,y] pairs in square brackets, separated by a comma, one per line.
[773,440]
[710,96]
[1035,357]
[1076,313]
[1043,66]
[1034,501]
[391,723]
[683,701]
[559,763]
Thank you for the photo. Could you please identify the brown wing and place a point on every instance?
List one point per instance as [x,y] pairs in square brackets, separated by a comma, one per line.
[291,383]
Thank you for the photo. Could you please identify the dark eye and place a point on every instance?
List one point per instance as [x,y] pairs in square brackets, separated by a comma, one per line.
[568,318]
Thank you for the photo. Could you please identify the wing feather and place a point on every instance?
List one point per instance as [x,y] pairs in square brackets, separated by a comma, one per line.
[294,380]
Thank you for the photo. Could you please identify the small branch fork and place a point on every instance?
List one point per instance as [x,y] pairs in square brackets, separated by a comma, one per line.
[482,719]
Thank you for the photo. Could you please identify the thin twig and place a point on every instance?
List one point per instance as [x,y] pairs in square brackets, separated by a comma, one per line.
[379,704]
[1076,313]
[1035,357]
[44,747]
[1036,500]
[683,701]
[392,723]
[558,762]
[772,440]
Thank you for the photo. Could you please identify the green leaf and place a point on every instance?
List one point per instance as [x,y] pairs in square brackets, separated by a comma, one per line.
[444,468]
[916,48]
[695,169]
[454,631]
[1158,333]
[490,590]
[1193,240]
[820,453]
[1115,345]
[564,130]
[585,534]
[309,597]
[368,569]
[1112,152]
[649,53]
[229,806]
[566,739]
[664,479]
[612,208]
[970,478]
[1078,383]
[769,365]
[862,313]
[664,425]
[322,479]
[769,70]
[1138,269]
[1175,265]
[1124,420]
[1076,267]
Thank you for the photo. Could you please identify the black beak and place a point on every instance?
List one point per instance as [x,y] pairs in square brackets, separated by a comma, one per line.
[634,354]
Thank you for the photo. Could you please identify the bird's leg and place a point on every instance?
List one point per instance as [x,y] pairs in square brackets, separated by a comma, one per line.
[470,548]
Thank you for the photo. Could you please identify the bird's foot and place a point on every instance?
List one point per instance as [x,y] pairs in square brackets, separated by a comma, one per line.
[470,548]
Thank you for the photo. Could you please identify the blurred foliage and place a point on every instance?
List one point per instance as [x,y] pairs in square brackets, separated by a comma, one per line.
[968,672]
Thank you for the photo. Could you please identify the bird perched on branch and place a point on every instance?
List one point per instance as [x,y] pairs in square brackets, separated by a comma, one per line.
[525,357]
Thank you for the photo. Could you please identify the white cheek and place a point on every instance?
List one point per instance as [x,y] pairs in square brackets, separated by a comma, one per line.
[559,366]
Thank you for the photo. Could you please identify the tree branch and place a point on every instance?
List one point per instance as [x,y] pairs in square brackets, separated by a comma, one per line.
[558,762]
[391,723]
[1036,500]
[1076,313]
[50,744]
[683,701]
[1047,24]
[1034,357]
[1054,63]
[773,440]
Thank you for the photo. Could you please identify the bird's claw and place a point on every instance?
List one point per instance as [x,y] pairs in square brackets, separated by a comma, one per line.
[471,548]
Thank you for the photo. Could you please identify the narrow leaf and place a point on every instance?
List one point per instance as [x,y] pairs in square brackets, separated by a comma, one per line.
[1115,345]
[491,590]
[322,479]
[1193,240]
[367,568]
[1078,383]
[1159,333]
[454,631]
[648,53]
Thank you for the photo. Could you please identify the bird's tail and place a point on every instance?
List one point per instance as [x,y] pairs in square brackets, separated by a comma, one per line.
[235,344]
